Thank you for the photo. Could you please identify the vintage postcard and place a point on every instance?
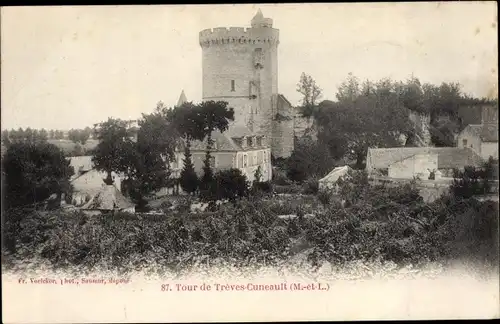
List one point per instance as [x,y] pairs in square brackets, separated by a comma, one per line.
[250,162]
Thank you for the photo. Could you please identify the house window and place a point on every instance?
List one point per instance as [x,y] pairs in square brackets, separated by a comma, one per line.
[259,141]
[240,161]
[245,161]
[259,157]
[232,85]
[464,143]
[249,141]
[265,157]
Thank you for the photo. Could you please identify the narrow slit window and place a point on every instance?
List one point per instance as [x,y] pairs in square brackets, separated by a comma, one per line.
[232,85]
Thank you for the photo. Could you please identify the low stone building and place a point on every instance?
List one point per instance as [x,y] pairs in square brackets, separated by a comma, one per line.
[410,162]
[329,182]
[482,138]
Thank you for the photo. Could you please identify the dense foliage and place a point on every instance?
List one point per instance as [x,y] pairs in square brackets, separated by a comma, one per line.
[475,181]
[383,114]
[379,223]
[115,147]
[33,172]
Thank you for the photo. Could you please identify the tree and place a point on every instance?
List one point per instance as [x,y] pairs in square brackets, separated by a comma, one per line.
[51,134]
[188,178]
[5,137]
[349,89]
[369,116]
[311,93]
[28,135]
[149,168]
[309,160]
[43,134]
[33,172]
[257,174]
[229,184]
[78,136]
[188,122]
[215,116]
[115,148]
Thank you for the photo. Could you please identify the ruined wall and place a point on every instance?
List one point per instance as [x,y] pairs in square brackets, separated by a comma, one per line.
[282,141]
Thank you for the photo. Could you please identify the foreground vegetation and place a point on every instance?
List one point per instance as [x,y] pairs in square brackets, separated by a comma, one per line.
[376,224]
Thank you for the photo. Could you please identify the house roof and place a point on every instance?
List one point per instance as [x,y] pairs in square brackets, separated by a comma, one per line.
[336,173]
[448,157]
[81,163]
[224,141]
[108,198]
[486,132]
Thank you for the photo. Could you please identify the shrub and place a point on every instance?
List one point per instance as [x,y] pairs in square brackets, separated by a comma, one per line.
[472,181]
[262,187]
[324,197]
[311,187]
[287,189]
[228,184]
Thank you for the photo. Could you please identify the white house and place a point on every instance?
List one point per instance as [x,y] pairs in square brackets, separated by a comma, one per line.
[482,138]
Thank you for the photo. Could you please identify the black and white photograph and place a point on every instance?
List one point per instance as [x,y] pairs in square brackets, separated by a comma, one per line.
[250,162]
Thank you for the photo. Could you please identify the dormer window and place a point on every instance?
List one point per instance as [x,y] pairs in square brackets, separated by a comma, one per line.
[249,141]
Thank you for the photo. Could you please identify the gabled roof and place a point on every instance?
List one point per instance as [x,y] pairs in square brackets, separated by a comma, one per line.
[486,132]
[224,141]
[336,173]
[448,157]
[81,163]
[108,198]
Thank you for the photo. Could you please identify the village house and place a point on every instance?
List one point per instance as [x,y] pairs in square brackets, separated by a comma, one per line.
[423,162]
[483,139]
[87,182]
[235,148]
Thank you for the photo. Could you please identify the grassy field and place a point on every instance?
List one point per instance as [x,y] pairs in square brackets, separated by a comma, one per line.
[68,146]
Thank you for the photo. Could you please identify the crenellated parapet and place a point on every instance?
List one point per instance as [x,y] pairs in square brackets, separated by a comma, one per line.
[239,35]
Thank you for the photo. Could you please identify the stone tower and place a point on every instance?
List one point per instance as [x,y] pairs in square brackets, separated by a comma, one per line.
[240,66]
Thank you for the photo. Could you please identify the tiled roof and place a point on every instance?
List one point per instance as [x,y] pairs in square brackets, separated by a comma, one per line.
[81,163]
[448,157]
[487,132]
[224,141]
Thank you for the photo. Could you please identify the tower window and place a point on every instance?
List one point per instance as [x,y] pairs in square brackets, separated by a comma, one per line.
[232,85]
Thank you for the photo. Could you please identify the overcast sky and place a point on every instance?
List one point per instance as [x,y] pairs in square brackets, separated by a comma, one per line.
[69,67]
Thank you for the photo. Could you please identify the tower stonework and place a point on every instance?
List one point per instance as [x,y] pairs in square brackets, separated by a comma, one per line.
[240,66]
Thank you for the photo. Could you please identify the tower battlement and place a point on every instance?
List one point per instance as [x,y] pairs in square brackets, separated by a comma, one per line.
[241,35]
[240,66]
